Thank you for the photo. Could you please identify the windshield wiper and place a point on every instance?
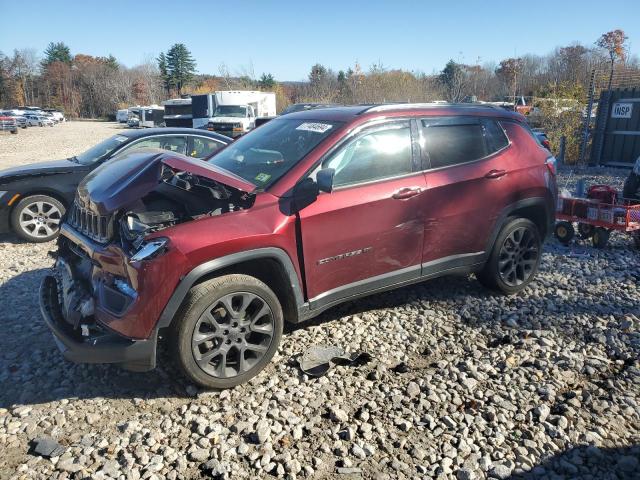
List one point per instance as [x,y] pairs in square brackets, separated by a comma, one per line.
[73,159]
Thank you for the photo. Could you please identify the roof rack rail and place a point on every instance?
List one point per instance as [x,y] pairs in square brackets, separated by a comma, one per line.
[408,106]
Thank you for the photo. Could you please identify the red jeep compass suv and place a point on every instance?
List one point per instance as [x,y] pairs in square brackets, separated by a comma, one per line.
[309,210]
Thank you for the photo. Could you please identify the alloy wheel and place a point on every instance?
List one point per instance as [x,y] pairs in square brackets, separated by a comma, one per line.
[518,257]
[232,335]
[40,219]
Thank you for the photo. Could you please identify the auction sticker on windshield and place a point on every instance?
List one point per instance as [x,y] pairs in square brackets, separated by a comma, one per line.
[314,127]
[263,177]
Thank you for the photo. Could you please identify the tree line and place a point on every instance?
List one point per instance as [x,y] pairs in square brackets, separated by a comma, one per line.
[89,86]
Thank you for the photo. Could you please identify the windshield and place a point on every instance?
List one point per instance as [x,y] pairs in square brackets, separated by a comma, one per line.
[267,153]
[230,111]
[101,150]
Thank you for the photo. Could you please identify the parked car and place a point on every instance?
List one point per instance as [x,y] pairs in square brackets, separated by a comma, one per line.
[35,197]
[50,116]
[542,138]
[21,121]
[57,115]
[310,210]
[38,120]
[8,124]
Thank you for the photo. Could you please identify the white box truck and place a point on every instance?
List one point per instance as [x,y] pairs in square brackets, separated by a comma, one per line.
[235,112]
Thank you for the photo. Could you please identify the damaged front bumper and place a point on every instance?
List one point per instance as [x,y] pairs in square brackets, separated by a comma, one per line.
[92,344]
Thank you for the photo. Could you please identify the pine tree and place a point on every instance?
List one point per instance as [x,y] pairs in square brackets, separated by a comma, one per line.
[162,66]
[266,81]
[56,52]
[180,66]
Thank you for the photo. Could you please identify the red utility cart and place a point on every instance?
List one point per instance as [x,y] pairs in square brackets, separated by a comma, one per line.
[597,219]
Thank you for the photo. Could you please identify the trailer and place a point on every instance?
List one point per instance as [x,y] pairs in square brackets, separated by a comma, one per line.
[202,108]
[178,112]
[146,117]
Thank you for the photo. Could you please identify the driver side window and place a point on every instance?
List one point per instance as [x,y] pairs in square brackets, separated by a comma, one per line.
[379,153]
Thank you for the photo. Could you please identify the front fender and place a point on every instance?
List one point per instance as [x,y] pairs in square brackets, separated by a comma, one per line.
[217,264]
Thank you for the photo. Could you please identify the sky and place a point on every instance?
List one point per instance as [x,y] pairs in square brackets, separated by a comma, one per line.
[286,38]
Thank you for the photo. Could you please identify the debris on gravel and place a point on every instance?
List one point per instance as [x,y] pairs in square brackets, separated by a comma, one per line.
[462,384]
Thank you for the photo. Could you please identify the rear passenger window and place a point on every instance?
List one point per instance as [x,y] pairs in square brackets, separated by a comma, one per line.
[448,143]
[495,136]
[455,140]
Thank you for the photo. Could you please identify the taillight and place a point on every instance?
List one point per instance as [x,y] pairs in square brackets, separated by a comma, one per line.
[551,164]
[546,144]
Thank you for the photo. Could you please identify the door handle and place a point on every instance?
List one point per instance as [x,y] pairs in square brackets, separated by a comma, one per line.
[495,173]
[406,192]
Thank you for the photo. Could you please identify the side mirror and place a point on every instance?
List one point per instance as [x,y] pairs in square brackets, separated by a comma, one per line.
[324,178]
[304,194]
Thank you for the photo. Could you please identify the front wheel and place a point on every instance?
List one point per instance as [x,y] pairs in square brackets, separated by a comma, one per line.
[515,257]
[37,218]
[227,331]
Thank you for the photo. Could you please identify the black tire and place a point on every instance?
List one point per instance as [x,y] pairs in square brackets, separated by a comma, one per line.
[46,218]
[600,237]
[564,232]
[514,259]
[14,132]
[586,230]
[204,326]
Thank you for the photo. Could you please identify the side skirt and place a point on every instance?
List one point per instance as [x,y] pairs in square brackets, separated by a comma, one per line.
[455,264]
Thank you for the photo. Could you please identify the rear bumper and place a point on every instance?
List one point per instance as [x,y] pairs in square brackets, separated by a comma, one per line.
[101,345]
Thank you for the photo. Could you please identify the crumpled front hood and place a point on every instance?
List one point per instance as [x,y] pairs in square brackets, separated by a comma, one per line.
[41,168]
[121,181]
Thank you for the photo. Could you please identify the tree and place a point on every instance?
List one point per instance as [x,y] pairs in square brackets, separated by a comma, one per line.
[56,52]
[164,74]
[111,62]
[453,78]
[613,43]
[509,70]
[317,75]
[267,81]
[180,66]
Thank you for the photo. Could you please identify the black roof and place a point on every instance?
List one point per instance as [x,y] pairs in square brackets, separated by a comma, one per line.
[349,112]
[135,133]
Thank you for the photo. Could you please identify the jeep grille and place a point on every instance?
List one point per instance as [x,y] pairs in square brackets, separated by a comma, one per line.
[96,227]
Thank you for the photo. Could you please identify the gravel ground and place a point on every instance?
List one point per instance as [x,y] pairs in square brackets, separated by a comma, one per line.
[38,144]
[461,384]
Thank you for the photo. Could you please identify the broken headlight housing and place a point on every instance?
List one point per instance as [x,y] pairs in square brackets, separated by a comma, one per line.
[149,249]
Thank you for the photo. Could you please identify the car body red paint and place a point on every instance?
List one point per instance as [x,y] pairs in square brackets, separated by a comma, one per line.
[349,242]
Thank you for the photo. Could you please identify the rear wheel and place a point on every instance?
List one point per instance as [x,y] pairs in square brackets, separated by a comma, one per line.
[586,230]
[37,218]
[227,331]
[515,257]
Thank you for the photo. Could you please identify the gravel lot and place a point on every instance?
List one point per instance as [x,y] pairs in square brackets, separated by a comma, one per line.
[38,144]
[461,384]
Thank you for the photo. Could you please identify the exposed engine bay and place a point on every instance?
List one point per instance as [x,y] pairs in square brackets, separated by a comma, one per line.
[179,197]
